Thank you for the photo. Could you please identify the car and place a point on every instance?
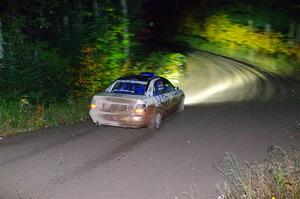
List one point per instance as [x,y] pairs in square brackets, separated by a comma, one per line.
[137,101]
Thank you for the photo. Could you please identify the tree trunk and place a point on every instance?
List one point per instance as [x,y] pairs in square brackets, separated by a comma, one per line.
[291,34]
[66,26]
[250,25]
[105,24]
[96,10]
[268,28]
[96,14]
[66,21]
[297,38]
[79,20]
[1,44]
[126,25]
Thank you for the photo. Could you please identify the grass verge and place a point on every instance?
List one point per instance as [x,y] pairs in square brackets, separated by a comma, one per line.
[21,116]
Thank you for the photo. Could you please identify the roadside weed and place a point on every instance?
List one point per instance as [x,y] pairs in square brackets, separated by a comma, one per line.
[278,176]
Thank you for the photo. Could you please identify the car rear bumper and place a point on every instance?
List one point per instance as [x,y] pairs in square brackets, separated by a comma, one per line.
[117,119]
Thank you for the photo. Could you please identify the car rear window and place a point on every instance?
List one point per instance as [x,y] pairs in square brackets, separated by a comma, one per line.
[130,87]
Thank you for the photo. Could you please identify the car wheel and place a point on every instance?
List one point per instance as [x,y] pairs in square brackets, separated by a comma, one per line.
[156,121]
[99,124]
[181,106]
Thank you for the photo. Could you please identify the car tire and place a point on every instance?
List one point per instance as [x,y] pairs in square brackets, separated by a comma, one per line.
[181,106]
[156,121]
[99,124]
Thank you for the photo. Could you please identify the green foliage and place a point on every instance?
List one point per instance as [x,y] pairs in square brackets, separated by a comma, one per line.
[277,13]
[96,75]
[165,64]
[21,116]
[101,63]
[105,57]
[254,31]
[190,25]
[105,54]
[168,65]
[16,116]
[46,48]
[31,68]
[219,28]
[67,112]
[59,49]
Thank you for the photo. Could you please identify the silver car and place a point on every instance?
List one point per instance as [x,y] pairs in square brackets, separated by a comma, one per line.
[136,101]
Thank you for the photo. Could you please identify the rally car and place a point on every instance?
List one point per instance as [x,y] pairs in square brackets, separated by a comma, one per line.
[136,101]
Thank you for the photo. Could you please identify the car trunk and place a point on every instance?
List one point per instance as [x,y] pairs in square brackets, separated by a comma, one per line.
[115,104]
[115,109]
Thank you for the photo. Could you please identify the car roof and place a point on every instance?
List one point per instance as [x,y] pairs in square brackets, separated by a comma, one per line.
[138,78]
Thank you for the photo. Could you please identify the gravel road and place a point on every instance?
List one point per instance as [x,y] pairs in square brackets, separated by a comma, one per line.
[231,107]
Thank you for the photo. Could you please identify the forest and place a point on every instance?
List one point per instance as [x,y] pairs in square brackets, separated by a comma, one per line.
[56,54]
[55,49]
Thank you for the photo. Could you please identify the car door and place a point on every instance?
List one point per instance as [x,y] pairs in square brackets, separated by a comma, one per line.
[173,94]
[161,97]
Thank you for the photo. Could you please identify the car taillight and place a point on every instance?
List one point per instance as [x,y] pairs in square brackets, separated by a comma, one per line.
[93,104]
[140,109]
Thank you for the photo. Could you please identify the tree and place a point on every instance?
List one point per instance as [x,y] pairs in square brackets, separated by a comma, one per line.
[107,50]
[1,43]
[85,37]
[126,25]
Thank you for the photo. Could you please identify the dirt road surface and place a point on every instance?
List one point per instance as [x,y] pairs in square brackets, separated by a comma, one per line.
[230,108]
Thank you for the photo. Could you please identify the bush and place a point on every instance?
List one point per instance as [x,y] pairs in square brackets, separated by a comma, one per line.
[21,116]
[168,65]
[219,28]
[278,176]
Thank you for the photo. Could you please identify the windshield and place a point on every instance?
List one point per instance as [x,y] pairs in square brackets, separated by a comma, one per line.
[130,87]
